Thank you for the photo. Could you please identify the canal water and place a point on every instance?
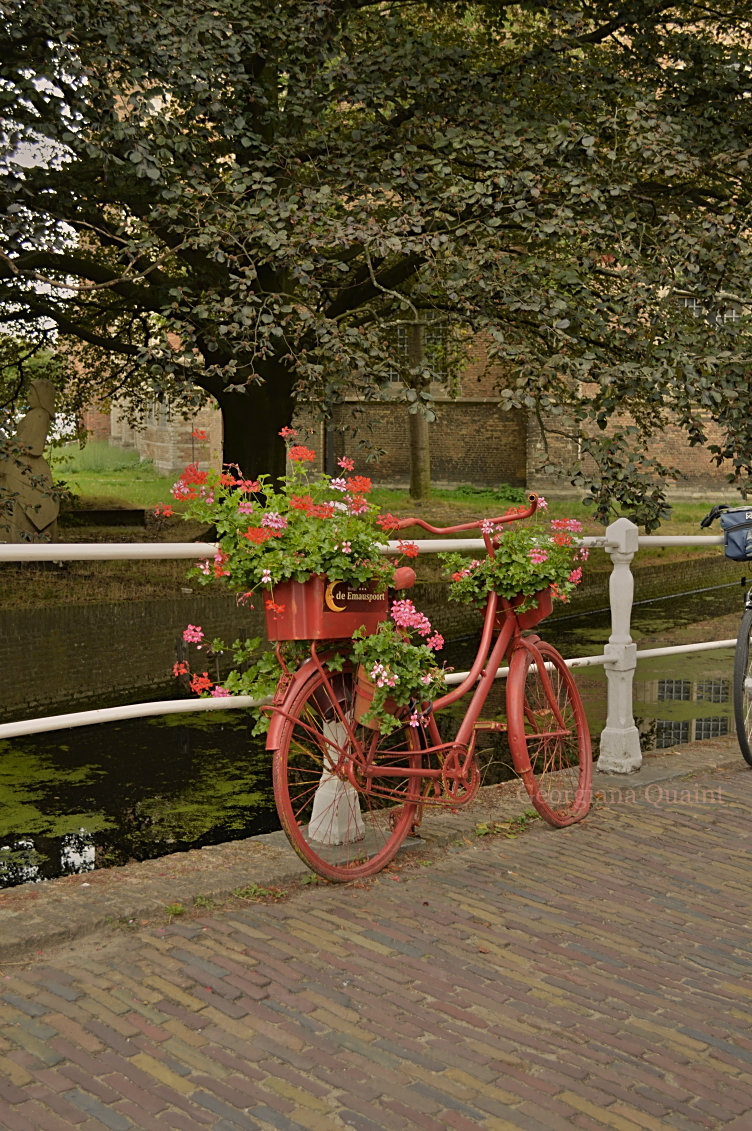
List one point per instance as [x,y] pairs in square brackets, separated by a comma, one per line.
[100,796]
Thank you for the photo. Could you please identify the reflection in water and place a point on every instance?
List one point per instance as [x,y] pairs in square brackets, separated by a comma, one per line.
[77,853]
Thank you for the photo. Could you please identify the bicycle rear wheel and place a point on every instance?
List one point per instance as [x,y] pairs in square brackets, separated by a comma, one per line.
[340,829]
[743,687]
[548,733]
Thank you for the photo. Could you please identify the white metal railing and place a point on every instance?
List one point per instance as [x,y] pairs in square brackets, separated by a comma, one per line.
[619,745]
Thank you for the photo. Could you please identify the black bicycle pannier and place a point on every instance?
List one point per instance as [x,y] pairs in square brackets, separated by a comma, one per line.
[736,525]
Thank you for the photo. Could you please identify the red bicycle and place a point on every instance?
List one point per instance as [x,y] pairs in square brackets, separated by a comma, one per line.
[347,797]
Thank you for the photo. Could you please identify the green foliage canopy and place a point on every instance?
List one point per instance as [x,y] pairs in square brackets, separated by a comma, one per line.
[244,199]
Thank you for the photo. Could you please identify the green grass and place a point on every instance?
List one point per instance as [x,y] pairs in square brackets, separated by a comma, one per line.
[100,475]
[97,458]
[685,518]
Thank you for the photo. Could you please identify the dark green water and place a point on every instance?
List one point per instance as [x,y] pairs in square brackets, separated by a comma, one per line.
[100,796]
[103,795]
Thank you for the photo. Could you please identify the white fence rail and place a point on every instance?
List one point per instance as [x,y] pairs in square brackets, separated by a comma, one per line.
[620,743]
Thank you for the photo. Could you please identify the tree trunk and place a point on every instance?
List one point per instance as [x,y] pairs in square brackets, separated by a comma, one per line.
[420,448]
[252,422]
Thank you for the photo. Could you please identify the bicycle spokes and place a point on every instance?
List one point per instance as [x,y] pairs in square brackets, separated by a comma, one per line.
[548,733]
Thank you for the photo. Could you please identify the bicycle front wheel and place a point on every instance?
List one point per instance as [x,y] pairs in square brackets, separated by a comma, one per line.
[343,823]
[743,687]
[548,733]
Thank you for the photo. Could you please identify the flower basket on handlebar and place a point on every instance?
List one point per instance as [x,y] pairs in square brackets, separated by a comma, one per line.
[318,609]
[542,608]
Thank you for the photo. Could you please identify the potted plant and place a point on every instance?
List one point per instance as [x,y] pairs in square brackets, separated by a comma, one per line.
[532,564]
[311,548]
[395,674]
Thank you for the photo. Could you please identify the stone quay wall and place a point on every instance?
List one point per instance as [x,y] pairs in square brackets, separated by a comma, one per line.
[77,657]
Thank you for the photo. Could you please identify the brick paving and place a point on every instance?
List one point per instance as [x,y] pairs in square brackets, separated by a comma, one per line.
[53,913]
[591,978]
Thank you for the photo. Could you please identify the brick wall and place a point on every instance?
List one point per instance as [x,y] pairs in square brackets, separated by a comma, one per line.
[97,424]
[699,475]
[472,441]
[74,658]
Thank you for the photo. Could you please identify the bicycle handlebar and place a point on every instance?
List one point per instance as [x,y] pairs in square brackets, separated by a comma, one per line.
[713,514]
[475,525]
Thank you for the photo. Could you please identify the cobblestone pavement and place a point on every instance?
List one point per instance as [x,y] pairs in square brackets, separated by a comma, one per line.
[594,978]
[56,912]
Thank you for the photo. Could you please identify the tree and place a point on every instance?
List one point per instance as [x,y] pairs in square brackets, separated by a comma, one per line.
[246,198]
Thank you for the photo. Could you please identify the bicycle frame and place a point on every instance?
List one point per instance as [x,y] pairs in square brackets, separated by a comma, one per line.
[460,751]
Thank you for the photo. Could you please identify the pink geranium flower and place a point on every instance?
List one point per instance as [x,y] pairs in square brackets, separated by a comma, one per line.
[406,615]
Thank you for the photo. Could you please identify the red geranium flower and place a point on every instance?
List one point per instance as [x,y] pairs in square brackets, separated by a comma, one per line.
[185,488]
[359,485]
[258,535]
[299,454]
[409,549]
[387,521]
[346,463]
[313,510]
[287,433]
[201,683]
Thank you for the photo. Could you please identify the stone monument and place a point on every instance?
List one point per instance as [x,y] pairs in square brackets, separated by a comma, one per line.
[34,511]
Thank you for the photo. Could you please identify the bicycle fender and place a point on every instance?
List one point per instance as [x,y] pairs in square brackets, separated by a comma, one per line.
[287,689]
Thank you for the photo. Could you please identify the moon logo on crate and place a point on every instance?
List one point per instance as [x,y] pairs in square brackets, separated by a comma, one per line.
[329,598]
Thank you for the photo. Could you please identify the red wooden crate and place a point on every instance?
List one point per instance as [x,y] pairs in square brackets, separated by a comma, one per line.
[318,609]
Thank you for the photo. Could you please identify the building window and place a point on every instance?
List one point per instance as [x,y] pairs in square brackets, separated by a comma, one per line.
[670,732]
[674,689]
[712,727]
[713,690]
[435,341]
[730,314]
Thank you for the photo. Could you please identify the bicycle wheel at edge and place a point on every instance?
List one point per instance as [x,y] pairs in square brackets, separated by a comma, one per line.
[555,762]
[743,687]
[312,793]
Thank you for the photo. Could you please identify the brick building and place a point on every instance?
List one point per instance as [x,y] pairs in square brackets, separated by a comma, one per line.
[472,440]
[165,438]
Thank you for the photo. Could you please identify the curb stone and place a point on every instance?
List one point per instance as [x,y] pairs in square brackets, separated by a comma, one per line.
[40,916]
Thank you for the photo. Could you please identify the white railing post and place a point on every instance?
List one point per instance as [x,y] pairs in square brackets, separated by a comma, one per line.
[620,740]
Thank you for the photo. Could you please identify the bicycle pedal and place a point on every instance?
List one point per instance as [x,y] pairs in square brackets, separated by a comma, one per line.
[489,724]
